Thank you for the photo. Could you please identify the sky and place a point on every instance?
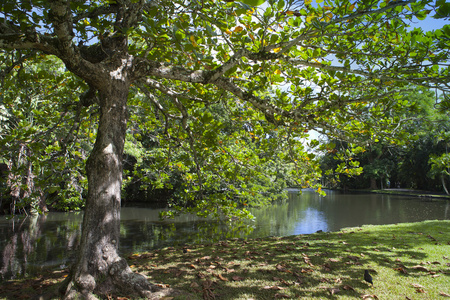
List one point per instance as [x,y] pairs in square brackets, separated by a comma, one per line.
[431,24]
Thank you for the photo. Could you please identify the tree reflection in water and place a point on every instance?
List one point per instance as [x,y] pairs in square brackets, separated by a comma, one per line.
[30,244]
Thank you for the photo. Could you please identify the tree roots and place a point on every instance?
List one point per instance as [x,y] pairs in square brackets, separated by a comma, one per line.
[120,280]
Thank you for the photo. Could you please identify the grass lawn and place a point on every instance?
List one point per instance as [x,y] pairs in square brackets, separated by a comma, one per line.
[406,261]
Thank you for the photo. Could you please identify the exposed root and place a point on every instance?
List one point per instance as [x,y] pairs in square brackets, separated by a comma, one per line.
[120,280]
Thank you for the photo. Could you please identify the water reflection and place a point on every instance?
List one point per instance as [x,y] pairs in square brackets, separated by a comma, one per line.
[29,244]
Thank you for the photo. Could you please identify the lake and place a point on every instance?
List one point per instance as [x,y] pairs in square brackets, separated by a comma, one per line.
[29,244]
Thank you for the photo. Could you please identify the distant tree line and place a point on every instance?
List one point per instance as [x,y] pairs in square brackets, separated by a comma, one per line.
[415,159]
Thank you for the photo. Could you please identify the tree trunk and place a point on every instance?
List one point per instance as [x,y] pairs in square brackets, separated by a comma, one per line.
[99,269]
[444,185]
[373,183]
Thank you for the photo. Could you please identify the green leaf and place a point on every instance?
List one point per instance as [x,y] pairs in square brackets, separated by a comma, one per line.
[253,2]
[280,5]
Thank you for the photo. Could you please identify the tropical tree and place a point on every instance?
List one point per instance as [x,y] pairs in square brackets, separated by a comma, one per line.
[296,65]
[45,135]
[396,155]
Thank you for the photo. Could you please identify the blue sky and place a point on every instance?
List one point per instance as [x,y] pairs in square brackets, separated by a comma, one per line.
[430,23]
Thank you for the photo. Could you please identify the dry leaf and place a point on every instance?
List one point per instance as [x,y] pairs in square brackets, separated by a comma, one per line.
[281,296]
[422,291]
[419,268]
[369,297]
[221,277]
[416,285]
[194,285]
[444,294]
[354,258]
[306,270]
[274,287]
[348,288]
[334,290]
[402,266]
[401,270]
[237,278]
[285,282]
[229,270]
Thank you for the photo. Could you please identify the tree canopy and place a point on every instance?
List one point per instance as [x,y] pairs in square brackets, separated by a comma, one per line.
[275,69]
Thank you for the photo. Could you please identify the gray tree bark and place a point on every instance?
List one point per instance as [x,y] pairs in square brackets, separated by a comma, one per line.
[99,269]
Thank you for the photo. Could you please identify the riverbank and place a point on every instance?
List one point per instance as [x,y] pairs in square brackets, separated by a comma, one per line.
[405,192]
[406,261]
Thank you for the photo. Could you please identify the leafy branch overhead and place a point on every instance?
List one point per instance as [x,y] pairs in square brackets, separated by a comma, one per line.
[314,57]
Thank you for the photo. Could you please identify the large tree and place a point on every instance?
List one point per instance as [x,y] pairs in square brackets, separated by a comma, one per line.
[299,65]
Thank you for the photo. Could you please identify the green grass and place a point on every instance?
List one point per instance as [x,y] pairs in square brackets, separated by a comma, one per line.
[406,261]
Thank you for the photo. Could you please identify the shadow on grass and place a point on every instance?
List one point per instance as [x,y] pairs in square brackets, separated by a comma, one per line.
[405,260]
[322,265]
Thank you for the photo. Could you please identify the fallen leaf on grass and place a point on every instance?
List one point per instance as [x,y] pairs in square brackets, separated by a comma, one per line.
[402,266]
[237,278]
[334,260]
[401,270]
[281,296]
[369,297]
[420,268]
[273,287]
[221,277]
[416,285]
[229,270]
[134,256]
[421,291]
[431,238]
[327,267]
[348,288]
[354,258]
[306,270]
[334,290]
[444,294]
[280,268]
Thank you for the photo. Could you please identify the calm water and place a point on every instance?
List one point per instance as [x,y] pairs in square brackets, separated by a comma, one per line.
[26,245]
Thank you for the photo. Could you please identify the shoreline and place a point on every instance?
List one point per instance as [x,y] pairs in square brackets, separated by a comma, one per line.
[405,192]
